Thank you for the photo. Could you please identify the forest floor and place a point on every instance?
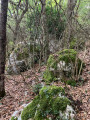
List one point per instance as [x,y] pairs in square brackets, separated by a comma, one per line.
[19,90]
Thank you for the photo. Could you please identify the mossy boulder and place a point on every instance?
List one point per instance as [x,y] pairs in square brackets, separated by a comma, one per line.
[22,57]
[50,104]
[24,50]
[63,64]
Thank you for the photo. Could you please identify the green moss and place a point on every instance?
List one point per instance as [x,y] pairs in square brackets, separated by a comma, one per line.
[46,103]
[49,76]
[23,50]
[24,54]
[73,44]
[51,90]
[67,55]
[71,82]
[29,111]
[52,62]
[14,118]
[60,104]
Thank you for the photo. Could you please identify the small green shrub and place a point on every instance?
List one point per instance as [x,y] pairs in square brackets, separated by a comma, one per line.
[48,102]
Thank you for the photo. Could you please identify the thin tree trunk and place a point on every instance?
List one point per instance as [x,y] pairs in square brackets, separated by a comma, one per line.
[3,20]
[44,32]
[70,14]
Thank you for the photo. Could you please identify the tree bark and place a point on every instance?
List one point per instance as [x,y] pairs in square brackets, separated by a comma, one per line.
[3,20]
[44,31]
[70,14]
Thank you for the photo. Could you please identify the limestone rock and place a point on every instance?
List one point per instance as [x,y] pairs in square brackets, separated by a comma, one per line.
[21,58]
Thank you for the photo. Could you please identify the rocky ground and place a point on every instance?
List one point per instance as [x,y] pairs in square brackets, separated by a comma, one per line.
[19,91]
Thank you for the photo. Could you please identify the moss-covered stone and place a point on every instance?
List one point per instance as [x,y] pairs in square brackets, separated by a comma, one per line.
[49,102]
[63,64]
[61,104]
[26,52]
[24,49]
[67,55]
[29,111]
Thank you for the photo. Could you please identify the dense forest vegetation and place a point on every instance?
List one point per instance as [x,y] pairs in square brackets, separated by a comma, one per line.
[44,59]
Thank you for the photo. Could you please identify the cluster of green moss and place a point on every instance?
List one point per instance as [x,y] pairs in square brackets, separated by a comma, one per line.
[49,76]
[22,51]
[52,62]
[23,54]
[14,118]
[66,55]
[71,82]
[73,44]
[47,103]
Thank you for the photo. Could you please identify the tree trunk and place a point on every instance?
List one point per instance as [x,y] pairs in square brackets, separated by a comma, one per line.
[3,20]
[70,14]
[44,32]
